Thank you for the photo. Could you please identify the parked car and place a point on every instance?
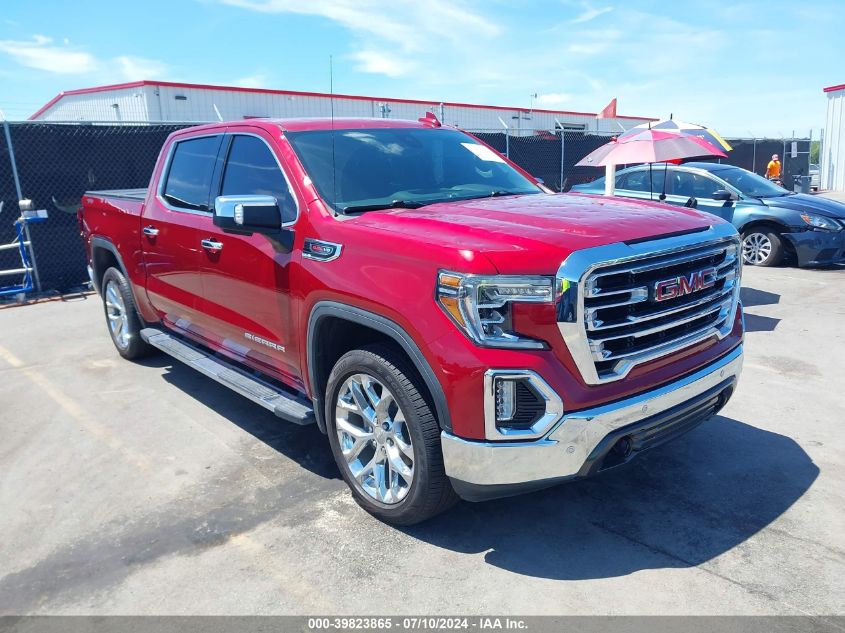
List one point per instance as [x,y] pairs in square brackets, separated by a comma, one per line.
[454,329]
[814,177]
[774,223]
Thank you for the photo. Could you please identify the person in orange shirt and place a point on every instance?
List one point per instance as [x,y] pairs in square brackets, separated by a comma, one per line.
[773,168]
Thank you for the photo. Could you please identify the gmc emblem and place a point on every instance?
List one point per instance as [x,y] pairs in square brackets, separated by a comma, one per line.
[685,284]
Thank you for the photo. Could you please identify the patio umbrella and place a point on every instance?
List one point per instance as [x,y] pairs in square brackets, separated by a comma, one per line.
[692,129]
[646,146]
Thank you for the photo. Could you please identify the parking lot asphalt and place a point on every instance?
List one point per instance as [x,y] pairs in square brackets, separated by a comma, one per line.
[138,488]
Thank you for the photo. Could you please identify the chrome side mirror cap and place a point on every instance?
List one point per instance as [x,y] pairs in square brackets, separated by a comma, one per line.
[252,213]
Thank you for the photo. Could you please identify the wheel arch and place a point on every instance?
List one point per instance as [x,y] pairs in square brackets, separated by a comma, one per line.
[328,319]
[783,230]
[765,221]
[104,254]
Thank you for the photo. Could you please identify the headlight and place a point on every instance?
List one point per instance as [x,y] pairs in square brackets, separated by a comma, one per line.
[821,222]
[481,305]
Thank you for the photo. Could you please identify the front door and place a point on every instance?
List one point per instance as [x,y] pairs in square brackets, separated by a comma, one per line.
[245,278]
[683,185]
[170,238]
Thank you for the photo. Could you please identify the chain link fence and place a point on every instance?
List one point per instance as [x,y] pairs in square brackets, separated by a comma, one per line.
[56,163]
[754,154]
[549,156]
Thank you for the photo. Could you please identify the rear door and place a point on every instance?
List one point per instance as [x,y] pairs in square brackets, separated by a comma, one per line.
[246,293]
[170,229]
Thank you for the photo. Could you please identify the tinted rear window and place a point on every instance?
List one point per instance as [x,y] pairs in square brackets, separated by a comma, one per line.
[188,183]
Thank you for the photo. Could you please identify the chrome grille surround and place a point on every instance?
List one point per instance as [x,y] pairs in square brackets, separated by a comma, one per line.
[606,308]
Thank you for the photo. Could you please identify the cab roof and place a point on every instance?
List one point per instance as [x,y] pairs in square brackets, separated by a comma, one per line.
[708,166]
[311,124]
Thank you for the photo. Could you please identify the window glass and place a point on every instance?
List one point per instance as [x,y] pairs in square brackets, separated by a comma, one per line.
[750,184]
[418,166]
[639,180]
[598,183]
[189,177]
[689,185]
[633,181]
[704,187]
[252,170]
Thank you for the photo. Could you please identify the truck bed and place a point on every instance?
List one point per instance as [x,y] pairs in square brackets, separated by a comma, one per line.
[123,194]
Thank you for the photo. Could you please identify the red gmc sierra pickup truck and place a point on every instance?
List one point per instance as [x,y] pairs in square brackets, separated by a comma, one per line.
[453,327]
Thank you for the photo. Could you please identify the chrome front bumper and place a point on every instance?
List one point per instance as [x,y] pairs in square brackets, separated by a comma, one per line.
[580,441]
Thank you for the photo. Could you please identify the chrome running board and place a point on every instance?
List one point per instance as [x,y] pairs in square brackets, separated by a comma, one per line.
[282,403]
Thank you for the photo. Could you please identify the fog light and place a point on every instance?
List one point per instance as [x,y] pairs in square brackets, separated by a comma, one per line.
[518,405]
[505,399]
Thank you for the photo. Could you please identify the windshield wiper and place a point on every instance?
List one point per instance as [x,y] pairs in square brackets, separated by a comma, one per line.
[503,192]
[395,204]
[492,194]
[774,195]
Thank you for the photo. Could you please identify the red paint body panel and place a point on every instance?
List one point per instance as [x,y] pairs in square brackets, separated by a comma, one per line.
[533,234]
[389,264]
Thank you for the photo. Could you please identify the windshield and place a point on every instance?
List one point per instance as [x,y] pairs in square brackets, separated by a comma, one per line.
[403,167]
[750,184]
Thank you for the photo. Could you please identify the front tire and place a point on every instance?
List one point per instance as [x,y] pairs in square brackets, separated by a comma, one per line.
[385,438]
[122,317]
[762,247]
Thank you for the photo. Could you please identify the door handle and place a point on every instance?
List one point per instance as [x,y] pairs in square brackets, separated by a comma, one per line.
[212,245]
[150,231]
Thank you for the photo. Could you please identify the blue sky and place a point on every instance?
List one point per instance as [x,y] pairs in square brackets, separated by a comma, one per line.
[743,68]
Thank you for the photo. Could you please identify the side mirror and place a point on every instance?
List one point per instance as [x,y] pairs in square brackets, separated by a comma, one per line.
[247,214]
[722,194]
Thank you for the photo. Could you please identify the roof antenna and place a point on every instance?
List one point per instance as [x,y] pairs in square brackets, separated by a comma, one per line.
[334,162]
[217,112]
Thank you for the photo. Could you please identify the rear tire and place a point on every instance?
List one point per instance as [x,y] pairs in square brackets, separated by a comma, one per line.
[122,317]
[385,438]
[762,246]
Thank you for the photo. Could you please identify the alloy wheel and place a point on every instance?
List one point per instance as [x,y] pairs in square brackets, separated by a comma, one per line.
[756,248]
[116,313]
[374,439]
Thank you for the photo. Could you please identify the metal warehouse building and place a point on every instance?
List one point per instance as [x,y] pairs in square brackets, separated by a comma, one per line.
[156,101]
[832,168]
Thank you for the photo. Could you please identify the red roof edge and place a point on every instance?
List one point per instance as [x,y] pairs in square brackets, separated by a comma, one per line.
[82,91]
[298,93]
[45,107]
[834,88]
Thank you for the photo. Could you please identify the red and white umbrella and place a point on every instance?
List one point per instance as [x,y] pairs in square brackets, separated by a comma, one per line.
[650,146]
[647,146]
[708,134]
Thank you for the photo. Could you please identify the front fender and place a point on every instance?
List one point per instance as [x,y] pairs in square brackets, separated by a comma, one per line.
[785,219]
[324,309]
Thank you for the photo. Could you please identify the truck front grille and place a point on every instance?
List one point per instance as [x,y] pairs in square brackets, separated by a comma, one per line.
[638,308]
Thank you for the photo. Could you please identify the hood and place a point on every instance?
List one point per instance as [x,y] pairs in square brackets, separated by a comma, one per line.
[532,234]
[806,202]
